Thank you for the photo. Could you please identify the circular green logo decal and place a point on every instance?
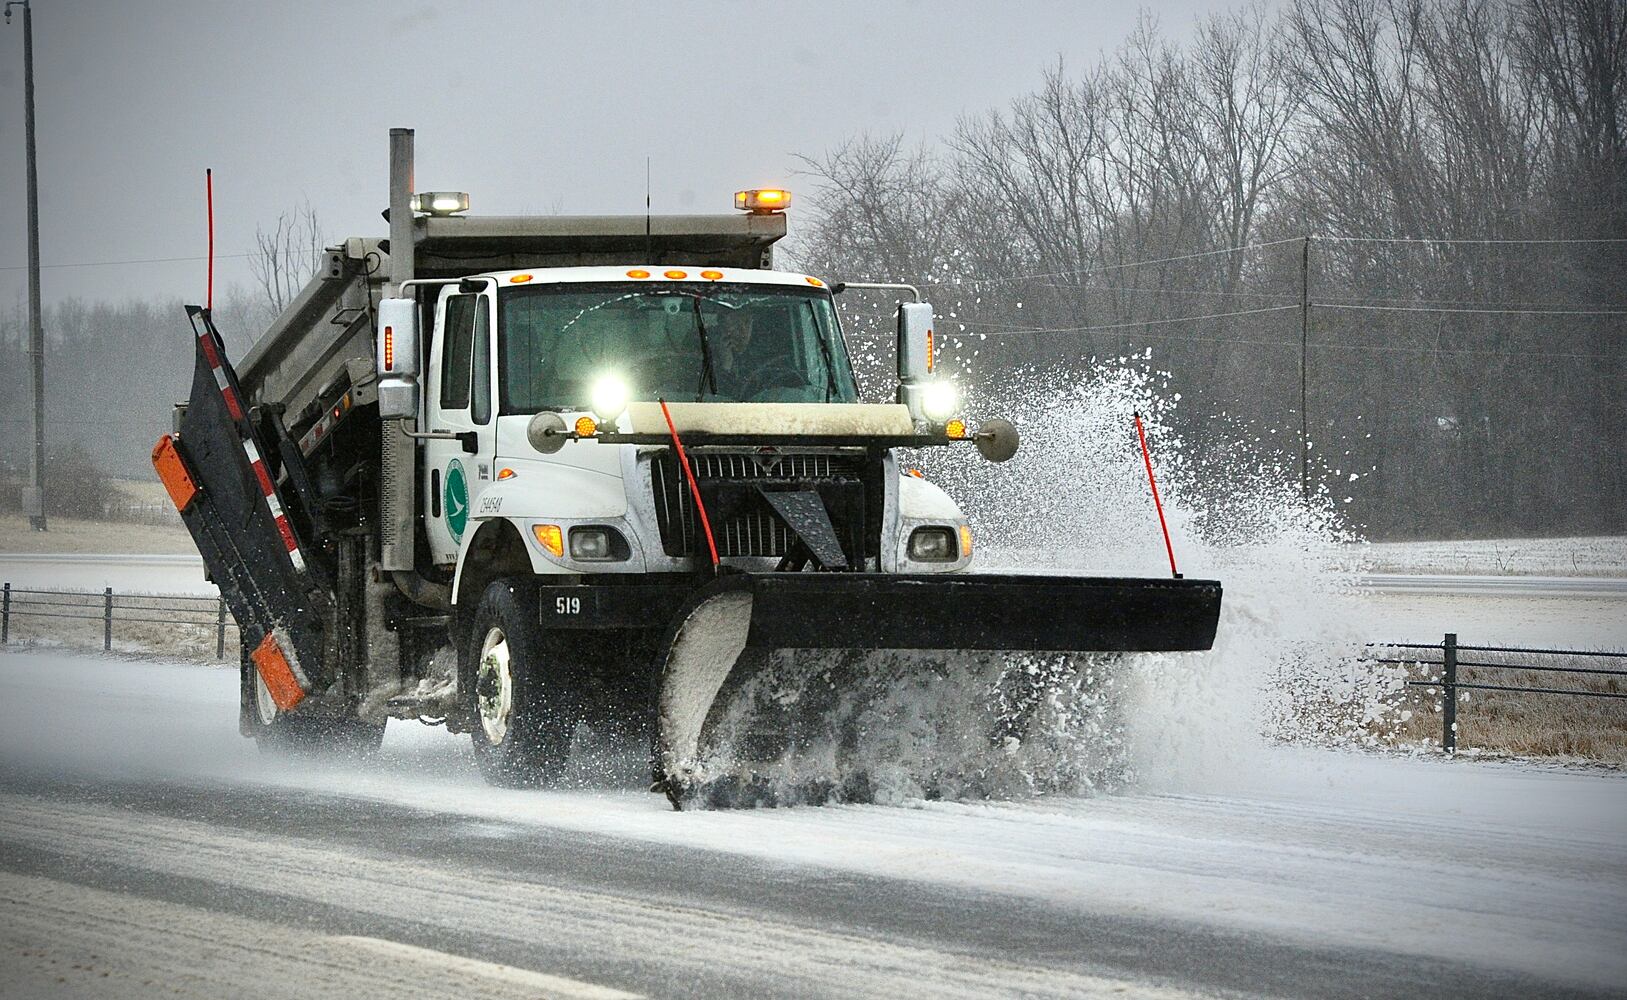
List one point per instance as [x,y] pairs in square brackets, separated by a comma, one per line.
[457,500]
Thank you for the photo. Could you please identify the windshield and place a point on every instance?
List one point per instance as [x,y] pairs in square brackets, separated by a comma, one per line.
[680,342]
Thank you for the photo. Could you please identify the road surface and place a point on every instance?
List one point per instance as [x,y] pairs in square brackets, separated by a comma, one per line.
[147,850]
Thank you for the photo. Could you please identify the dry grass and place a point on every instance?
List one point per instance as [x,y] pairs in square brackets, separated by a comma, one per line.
[1527,725]
[68,535]
[76,621]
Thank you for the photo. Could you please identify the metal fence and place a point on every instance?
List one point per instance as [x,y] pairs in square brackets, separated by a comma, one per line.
[113,609]
[1451,659]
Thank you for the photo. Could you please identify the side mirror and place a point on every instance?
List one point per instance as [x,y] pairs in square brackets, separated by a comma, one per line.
[914,341]
[547,432]
[396,355]
[996,439]
[914,354]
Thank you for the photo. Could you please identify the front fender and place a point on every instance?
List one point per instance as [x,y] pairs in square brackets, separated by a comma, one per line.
[541,492]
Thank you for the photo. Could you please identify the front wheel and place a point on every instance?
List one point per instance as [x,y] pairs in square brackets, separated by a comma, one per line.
[519,682]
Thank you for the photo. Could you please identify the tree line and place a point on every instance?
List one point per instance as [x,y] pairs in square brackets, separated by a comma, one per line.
[1425,200]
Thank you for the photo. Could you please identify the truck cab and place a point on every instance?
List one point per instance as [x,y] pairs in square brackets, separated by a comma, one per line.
[593,348]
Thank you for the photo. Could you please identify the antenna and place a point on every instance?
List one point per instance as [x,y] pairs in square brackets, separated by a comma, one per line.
[209,210]
[649,246]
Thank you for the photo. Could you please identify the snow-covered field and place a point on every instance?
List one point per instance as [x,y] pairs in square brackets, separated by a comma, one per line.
[1603,556]
[146,573]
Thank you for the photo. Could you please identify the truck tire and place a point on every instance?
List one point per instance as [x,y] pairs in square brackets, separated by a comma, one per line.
[520,681]
[284,734]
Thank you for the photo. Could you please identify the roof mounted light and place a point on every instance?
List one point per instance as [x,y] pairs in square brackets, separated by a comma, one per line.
[763,201]
[440,202]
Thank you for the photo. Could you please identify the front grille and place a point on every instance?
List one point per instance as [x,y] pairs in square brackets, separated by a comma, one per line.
[744,525]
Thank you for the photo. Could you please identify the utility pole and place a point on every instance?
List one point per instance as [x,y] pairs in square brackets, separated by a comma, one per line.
[1304,351]
[34,496]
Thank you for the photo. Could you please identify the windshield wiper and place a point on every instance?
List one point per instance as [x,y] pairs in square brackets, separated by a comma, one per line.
[708,376]
[824,349]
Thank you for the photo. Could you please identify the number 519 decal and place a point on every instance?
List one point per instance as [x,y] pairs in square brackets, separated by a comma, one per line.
[567,605]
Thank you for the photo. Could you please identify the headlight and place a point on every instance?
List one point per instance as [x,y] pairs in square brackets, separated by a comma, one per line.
[608,398]
[597,543]
[933,544]
[940,400]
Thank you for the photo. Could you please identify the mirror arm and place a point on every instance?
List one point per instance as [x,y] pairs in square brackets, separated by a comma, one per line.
[839,287]
[469,439]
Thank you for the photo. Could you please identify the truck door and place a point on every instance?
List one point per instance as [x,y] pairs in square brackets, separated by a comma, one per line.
[460,401]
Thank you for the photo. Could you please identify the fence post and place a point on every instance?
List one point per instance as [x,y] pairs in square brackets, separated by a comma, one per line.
[1449,709]
[220,631]
[5,615]
[107,620]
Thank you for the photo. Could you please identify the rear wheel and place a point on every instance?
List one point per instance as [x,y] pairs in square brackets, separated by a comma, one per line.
[278,732]
[519,681]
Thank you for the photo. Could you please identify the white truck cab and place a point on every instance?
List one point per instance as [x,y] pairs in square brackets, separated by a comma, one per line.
[723,347]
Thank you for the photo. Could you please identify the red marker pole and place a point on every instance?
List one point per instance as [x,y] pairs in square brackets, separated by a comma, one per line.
[1146,456]
[209,198]
[694,488]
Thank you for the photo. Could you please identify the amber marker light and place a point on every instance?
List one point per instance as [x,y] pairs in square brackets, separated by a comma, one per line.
[965,540]
[585,427]
[712,275]
[519,279]
[638,273]
[503,475]
[955,429]
[814,282]
[550,537]
[675,275]
[763,200]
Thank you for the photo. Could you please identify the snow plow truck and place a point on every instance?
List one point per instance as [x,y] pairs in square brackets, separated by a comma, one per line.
[510,474]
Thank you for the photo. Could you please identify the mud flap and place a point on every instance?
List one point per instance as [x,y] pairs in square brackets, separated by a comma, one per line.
[866,611]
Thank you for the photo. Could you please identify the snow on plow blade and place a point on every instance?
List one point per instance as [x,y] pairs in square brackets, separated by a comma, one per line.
[867,611]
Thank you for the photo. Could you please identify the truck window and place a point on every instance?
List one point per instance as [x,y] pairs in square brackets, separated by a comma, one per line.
[768,343]
[458,334]
[480,404]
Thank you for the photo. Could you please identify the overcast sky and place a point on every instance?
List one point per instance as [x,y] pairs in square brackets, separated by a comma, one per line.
[529,107]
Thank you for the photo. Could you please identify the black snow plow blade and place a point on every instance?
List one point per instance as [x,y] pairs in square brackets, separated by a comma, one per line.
[221,471]
[868,611]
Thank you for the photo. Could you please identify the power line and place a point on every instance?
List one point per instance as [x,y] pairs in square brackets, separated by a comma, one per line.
[1413,300]
[1122,326]
[1472,242]
[1270,243]
[1467,350]
[1492,312]
[1110,267]
[144,260]
[1284,343]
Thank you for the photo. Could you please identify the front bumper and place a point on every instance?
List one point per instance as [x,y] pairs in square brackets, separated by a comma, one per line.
[916,611]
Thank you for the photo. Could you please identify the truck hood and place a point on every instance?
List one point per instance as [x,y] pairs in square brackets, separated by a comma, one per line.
[848,419]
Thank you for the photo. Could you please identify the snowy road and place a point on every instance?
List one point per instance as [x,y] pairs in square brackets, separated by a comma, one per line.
[145,849]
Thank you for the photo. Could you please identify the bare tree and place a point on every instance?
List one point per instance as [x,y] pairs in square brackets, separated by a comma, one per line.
[286,257]
[883,211]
